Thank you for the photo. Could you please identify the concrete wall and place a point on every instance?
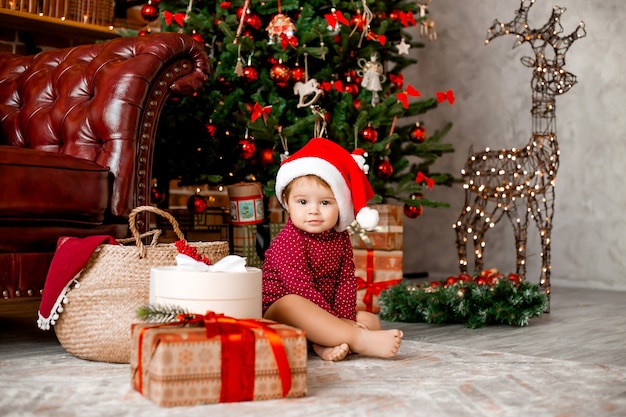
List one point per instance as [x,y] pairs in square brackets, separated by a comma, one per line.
[492,109]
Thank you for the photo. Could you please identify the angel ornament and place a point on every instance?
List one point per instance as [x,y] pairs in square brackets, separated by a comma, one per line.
[373,77]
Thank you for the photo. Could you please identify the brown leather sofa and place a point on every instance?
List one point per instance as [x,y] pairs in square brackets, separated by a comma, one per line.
[77,134]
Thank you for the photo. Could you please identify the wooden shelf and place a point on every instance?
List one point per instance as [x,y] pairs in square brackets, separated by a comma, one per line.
[30,22]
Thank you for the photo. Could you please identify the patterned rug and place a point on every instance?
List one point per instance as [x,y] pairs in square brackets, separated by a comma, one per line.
[423,380]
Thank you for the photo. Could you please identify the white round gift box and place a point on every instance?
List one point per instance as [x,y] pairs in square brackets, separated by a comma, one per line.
[235,294]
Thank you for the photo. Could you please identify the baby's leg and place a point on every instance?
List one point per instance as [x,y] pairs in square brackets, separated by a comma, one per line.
[324,329]
[368,320]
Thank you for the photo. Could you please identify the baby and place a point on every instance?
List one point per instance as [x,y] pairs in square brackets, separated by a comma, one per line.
[308,274]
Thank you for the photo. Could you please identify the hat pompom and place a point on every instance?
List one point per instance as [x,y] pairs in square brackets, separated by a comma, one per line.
[367,218]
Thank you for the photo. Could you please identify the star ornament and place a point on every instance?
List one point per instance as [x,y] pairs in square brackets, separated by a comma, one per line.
[403,47]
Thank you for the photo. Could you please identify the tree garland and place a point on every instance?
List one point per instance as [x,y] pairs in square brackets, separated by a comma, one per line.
[488,298]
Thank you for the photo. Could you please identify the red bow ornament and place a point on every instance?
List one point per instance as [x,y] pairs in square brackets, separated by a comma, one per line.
[334,18]
[286,41]
[176,17]
[406,18]
[443,96]
[403,96]
[420,177]
[259,111]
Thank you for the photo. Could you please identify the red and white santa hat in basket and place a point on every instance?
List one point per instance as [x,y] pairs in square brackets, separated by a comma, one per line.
[336,166]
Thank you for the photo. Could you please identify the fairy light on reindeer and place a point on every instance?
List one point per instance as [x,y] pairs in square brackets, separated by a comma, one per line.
[519,183]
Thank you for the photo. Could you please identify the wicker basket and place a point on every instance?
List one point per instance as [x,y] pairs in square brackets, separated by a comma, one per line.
[95,323]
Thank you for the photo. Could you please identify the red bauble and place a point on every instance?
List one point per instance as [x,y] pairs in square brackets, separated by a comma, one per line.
[198,38]
[247,148]
[352,88]
[196,204]
[298,74]
[418,133]
[157,196]
[412,212]
[253,21]
[149,12]
[383,169]
[280,74]
[250,73]
[267,156]
[357,103]
[369,134]
[143,32]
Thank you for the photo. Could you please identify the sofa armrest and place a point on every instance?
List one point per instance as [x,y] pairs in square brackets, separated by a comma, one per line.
[100,102]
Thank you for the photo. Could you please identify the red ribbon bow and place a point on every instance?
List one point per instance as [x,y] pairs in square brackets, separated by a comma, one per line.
[420,177]
[397,79]
[443,96]
[404,95]
[238,352]
[406,18]
[382,39]
[258,111]
[286,41]
[335,18]
[176,17]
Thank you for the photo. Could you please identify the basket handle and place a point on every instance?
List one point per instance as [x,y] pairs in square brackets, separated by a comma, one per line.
[132,218]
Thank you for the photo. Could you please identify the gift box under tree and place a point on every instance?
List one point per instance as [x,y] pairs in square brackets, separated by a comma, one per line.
[220,359]
[376,270]
[386,236]
[378,255]
[248,240]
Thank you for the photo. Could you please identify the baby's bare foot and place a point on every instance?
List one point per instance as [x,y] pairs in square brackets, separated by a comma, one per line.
[381,343]
[332,353]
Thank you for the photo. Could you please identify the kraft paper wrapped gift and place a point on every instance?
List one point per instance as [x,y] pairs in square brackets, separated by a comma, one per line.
[244,240]
[386,236]
[376,270]
[220,360]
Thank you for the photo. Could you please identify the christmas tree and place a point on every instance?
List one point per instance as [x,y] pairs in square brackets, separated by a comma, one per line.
[285,71]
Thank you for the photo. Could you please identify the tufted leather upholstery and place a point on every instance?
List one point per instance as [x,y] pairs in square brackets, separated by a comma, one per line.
[77,129]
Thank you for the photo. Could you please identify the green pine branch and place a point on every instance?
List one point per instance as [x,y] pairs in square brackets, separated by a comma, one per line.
[469,303]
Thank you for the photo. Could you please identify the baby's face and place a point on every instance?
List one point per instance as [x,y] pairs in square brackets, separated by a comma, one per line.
[312,205]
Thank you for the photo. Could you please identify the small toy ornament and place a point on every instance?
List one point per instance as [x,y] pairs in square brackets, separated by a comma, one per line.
[360,156]
[280,26]
[403,47]
[372,73]
[309,92]
[418,134]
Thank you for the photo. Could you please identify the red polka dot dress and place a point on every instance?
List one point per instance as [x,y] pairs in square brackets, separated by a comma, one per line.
[316,266]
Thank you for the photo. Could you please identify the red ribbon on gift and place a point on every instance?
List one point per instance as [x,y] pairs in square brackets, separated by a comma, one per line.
[238,352]
[372,288]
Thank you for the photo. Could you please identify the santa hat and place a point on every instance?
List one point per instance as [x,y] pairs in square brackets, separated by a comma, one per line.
[336,166]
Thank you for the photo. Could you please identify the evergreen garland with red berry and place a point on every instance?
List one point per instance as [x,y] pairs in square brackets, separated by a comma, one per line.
[285,71]
[488,298]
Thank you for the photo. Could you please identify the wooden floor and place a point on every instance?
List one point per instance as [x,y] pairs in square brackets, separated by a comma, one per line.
[587,326]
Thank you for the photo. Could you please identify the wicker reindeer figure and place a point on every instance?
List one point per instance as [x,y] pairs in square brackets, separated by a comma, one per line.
[519,183]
